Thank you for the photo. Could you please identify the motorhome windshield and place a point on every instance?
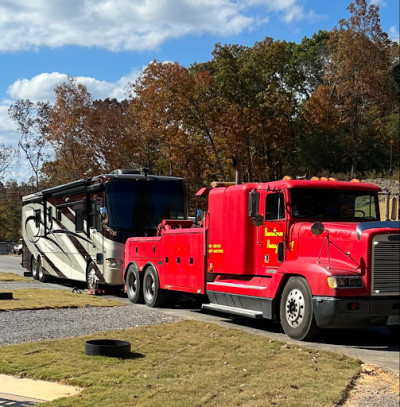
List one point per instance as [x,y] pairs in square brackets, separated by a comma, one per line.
[334,204]
[140,206]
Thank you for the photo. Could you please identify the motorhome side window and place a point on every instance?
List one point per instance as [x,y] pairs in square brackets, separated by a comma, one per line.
[95,218]
[37,218]
[50,217]
[274,206]
[79,218]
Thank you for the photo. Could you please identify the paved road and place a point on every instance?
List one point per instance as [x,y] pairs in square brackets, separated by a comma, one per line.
[375,345]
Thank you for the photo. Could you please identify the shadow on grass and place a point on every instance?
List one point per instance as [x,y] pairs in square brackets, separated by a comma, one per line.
[134,355]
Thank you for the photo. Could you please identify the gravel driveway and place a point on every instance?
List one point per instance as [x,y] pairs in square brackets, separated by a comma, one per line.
[37,325]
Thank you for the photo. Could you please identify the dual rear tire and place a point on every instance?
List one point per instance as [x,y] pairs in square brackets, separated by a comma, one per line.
[146,289]
[37,270]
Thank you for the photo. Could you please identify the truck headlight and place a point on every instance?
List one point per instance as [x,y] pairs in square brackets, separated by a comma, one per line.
[114,263]
[345,282]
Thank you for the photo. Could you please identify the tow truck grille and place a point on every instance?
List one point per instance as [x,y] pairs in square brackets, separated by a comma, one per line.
[386,265]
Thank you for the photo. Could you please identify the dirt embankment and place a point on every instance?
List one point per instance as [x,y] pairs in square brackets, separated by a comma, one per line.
[390,185]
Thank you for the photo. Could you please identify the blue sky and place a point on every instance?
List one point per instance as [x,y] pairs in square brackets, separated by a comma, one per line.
[106,43]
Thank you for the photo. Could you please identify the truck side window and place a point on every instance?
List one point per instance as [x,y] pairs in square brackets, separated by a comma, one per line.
[274,206]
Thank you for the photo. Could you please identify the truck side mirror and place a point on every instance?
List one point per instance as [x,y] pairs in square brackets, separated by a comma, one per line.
[254,203]
[254,208]
[199,216]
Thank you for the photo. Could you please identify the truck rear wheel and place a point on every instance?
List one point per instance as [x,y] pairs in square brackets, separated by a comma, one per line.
[153,295]
[133,285]
[296,310]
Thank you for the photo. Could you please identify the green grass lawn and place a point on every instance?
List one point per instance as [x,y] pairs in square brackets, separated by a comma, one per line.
[35,298]
[13,277]
[187,364]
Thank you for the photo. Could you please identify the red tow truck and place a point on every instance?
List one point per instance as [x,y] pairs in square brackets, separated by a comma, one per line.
[309,254]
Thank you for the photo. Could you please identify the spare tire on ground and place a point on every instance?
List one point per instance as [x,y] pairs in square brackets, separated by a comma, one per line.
[6,296]
[108,347]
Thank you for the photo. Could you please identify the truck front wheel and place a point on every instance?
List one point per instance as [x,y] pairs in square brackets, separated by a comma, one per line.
[153,295]
[296,310]
[133,285]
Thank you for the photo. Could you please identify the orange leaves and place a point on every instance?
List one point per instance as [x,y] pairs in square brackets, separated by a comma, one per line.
[321,110]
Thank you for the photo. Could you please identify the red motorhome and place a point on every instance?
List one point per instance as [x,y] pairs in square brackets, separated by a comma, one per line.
[308,253]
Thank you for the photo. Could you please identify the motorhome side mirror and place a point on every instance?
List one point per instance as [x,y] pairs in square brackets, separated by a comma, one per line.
[317,228]
[104,215]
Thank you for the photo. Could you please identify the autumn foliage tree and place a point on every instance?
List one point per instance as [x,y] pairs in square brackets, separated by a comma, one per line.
[88,137]
[357,91]
[32,120]
[174,124]
[327,104]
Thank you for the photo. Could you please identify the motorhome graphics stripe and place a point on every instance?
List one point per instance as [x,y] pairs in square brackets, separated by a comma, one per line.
[73,237]
[51,264]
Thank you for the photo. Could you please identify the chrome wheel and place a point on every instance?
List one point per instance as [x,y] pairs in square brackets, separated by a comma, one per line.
[91,278]
[149,287]
[40,274]
[133,285]
[295,308]
[34,268]
[153,295]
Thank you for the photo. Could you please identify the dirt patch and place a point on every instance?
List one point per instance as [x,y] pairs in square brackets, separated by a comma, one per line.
[374,387]
[390,185]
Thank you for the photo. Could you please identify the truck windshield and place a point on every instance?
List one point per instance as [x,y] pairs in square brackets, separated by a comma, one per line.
[334,204]
[139,206]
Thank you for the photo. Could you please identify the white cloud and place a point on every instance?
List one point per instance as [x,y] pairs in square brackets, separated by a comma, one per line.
[394,33]
[113,24]
[290,10]
[378,3]
[133,25]
[41,87]
[5,122]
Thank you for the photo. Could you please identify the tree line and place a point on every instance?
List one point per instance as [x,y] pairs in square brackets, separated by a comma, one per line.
[329,104]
